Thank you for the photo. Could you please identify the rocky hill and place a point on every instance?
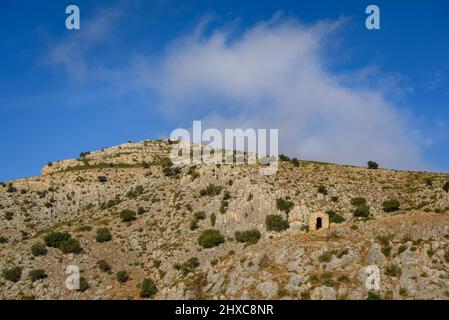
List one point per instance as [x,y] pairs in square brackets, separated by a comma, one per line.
[139,227]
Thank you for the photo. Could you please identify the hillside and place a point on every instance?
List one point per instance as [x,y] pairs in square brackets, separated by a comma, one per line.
[154,213]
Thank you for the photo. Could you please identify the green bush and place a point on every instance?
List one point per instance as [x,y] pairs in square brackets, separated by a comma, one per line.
[194,224]
[248,236]
[391,205]
[446,186]
[373,165]
[335,218]
[37,274]
[9,215]
[373,296]
[322,189]
[428,181]
[70,246]
[122,276]
[54,239]
[84,285]
[103,266]
[102,179]
[358,201]
[127,215]
[201,215]
[148,288]
[361,211]
[140,211]
[295,162]
[12,274]
[3,240]
[211,190]
[284,205]
[38,249]
[213,219]
[210,238]
[393,270]
[103,235]
[276,223]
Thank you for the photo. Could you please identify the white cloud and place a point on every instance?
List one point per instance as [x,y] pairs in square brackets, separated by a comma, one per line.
[274,75]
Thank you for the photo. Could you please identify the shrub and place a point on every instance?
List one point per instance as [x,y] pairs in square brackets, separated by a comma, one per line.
[84,285]
[194,224]
[38,249]
[166,162]
[276,223]
[102,179]
[361,211]
[210,238]
[37,274]
[103,266]
[103,235]
[148,288]
[284,205]
[213,219]
[283,157]
[334,199]
[295,162]
[3,240]
[211,190]
[122,276]
[9,215]
[373,165]
[393,270]
[446,186]
[224,206]
[322,189]
[391,205]
[249,236]
[192,263]
[54,239]
[140,210]
[358,201]
[11,188]
[428,181]
[12,274]
[335,218]
[200,215]
[170,171]
[127,215]
[373,296]
[70,246]
[326,256]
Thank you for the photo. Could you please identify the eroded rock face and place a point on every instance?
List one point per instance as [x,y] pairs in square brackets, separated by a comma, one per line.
[171,214]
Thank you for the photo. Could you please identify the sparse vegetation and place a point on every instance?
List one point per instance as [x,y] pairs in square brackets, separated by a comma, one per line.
[38,249]
[127,215]
[373,165]
[37,274]
[284,204]
[122,276]
[211,190]
[210,238]
[12,274]
[54,239]
[391,205]
[249,236]
[361,211]
[148,288]
[70,246]
[276,223]
[103,266]
[103,235]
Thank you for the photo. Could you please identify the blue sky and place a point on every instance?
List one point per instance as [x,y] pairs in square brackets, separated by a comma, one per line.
[139,69]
